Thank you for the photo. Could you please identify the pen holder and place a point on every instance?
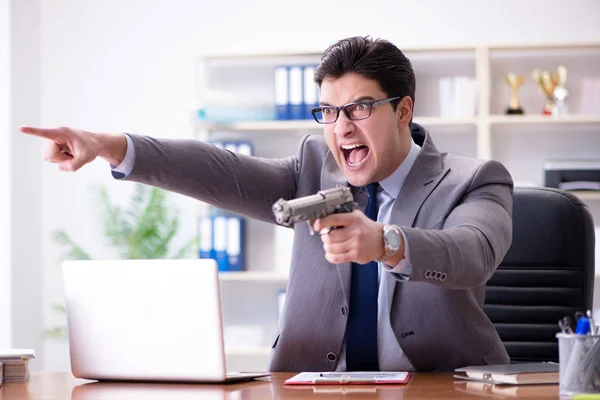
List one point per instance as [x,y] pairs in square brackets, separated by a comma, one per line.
[579,359]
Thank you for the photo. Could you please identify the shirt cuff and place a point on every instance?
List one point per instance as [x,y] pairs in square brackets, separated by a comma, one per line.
[124,169]
[402,270]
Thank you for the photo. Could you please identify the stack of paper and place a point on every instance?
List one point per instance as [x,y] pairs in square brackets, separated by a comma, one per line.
[16,364]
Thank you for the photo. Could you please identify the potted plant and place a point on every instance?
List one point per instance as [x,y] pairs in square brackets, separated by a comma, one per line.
[144,230]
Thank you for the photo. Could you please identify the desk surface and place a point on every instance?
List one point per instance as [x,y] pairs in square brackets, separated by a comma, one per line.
[62,385]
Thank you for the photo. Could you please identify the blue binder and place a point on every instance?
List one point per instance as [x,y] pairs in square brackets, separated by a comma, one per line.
[220,241]
[296,93]
[222,235]
[245,148]
[282,93]
[311,91]
[205,237]
[235,243]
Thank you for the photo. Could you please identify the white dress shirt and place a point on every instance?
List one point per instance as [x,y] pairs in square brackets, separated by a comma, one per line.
[390,354]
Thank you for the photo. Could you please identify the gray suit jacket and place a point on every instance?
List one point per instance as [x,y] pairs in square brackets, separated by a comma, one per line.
[456,213]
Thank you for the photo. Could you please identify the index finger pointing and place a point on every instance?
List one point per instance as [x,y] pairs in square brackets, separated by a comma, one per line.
[45,133]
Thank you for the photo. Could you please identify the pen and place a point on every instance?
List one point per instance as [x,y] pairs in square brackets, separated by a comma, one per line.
[565,325]
[583,326]
[593,328]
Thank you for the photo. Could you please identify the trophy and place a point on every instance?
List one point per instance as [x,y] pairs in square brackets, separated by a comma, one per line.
[515,82]
[553,86]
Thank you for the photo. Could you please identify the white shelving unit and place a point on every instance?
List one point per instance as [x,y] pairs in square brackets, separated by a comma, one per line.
[253,276]
[521,142]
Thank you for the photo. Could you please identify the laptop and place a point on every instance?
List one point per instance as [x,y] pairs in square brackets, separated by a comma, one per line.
[146,320]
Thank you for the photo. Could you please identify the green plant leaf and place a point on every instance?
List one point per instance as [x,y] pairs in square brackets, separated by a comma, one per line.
[74,252]
[187,248]
[56,332]
[144,230]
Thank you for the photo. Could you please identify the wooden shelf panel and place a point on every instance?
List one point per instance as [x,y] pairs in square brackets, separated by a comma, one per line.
[254,276]
[310,125]
[543,119]
[587,195]
[250,351]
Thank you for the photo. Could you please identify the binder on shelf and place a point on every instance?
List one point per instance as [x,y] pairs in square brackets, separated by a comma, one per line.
[221,235]
[311,91]
[235,243]
[282,96]
[245,148]
[205,237]
[217,143]
[296,93]
[230,146]
[220,241]
[457,96]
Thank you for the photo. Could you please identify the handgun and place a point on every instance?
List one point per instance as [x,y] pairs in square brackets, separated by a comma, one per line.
[309,208]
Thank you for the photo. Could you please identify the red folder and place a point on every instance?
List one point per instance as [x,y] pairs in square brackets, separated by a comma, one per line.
[349,378]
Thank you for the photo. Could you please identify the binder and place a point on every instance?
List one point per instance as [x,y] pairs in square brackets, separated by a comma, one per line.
[281,86]
[230,146]
[296,93]
[218,144]
[245,148]
[222,235]
[220,241]
[514,374]
[235,243]
[311,91]
[205,237]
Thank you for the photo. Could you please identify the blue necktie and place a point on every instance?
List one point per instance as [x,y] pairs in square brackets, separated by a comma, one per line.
[361,330]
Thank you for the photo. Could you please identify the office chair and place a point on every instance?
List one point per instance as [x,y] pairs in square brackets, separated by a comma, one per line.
[548,273]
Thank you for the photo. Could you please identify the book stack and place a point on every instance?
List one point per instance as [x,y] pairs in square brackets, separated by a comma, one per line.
[512,374]
[15,363]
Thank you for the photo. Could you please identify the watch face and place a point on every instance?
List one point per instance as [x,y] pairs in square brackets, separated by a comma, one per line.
[392,239]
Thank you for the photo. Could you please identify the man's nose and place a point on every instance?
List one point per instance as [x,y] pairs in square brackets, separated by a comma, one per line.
[343,126]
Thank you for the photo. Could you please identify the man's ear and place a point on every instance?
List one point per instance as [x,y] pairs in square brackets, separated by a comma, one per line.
[404,111]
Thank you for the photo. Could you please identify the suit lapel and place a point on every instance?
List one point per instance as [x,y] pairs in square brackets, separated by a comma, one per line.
[419,183]
[424,176]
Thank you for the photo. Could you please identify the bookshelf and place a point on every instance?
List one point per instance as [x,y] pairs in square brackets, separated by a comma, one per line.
[521,142]
[251,75]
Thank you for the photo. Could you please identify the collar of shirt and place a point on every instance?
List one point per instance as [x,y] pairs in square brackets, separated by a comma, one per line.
[393,183]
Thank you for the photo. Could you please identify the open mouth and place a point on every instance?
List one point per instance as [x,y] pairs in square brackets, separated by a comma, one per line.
[355,154]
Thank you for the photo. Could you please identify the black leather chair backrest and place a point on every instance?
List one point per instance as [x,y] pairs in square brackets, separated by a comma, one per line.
[548,272]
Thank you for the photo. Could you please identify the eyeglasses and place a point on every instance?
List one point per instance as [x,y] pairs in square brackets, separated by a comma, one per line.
[354,111]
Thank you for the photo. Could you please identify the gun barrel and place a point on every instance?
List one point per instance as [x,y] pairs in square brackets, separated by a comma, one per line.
[321,204]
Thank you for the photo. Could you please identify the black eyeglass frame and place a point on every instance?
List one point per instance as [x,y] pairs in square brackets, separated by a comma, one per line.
[371,104]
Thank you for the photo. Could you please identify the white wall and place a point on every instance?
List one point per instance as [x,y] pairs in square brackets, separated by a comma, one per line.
[5,255]
[26,189]
[127,65]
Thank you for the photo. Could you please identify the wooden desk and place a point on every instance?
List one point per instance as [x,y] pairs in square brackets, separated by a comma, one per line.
[62,385]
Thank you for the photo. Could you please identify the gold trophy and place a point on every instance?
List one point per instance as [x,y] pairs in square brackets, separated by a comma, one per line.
[552,85]
[515,82]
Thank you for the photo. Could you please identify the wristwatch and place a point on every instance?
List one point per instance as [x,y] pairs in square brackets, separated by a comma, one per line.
[392,238]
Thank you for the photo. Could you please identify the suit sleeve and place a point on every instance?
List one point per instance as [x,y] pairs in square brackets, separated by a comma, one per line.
[474,238]
[238,183]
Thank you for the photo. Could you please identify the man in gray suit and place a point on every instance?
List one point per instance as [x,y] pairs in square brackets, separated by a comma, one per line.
[399,285]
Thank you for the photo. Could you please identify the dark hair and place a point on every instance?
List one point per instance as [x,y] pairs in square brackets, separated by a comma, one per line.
[375,59]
